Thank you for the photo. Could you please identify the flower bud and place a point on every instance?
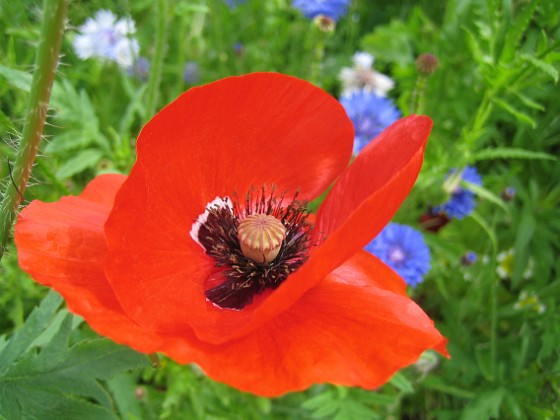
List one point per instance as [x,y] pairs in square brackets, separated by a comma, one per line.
[469,258]
[509,193]
[325,23]
[427,64]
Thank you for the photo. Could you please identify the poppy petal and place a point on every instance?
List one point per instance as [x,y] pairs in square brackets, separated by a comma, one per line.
[379,180]
[360,204]
[216,140]
[346,331]
[62,245]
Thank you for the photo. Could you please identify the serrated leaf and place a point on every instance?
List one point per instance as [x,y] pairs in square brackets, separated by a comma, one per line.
[324,404]
[46,405]
[509,153]
[516,31]
[542,65]
[36,323]
[83,160]
[353,410]
[486,405]
[519,116]
[54,381]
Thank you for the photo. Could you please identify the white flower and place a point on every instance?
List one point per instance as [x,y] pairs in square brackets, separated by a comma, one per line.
[363,76]
[107,38]
[125,52]
[505,265]
[529,301]
[363,60]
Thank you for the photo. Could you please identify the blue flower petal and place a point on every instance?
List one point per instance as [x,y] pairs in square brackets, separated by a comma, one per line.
[403,249]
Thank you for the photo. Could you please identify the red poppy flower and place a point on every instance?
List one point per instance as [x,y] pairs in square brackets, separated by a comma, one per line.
[148,262]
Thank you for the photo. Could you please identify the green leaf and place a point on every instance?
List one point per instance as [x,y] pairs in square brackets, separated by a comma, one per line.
[437,384]
[486,405]
[37,322]
[509,153]
[67,141]
[122,387]
[323,404]
[485,194]
[516,31]
[82,161]
[519,116]
[542,65]
[475,48]
[53,380]
[402,383]
[20,79]
[478,219]
[483,358]
[529,102]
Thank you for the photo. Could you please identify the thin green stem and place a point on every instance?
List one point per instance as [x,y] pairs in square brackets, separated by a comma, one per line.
[317,61]
[157,62]
[417,94]
[54,17]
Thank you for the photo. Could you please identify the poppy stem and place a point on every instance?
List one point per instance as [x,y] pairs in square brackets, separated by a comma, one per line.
[46,62]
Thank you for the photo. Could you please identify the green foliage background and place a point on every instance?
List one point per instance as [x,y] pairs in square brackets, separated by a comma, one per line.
[494,102]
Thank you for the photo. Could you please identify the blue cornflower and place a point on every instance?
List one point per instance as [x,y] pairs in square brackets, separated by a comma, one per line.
[403,249]
[333,9]
[461,202]
[370,114]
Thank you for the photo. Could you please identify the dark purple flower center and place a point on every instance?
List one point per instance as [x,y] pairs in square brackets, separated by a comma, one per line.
[240,278]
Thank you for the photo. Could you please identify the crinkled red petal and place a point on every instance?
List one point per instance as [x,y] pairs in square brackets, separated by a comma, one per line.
[216,140]
[355,328]
[351,329]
